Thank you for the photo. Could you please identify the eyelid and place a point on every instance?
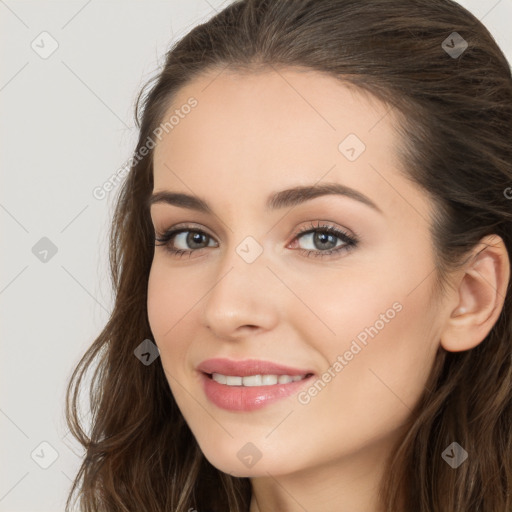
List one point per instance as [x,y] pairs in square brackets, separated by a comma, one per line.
[321,224]
[327,225]
[186,226]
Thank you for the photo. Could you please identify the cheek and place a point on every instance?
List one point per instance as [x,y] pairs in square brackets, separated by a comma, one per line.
[169,301]
[382,323]
[172,294]
[160,301]
[382,353]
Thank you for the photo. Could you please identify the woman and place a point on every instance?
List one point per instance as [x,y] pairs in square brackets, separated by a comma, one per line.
[311,261]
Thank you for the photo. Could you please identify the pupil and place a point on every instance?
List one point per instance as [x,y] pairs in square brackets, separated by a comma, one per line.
[194,238]
[323,238]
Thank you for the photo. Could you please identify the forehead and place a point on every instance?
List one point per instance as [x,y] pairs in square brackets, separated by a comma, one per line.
[277,128]
[295,105]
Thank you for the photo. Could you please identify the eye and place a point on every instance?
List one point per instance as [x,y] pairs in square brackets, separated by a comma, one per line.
[185,236]
[322,239]
[325,240]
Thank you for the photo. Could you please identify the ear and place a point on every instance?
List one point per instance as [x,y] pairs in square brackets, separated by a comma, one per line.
[480,292]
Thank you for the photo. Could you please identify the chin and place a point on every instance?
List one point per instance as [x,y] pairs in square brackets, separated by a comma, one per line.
[237,461]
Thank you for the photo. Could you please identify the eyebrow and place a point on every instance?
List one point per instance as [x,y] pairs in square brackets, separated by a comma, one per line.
[282,199]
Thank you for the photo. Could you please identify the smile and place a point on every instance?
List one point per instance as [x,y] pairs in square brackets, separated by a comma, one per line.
[249,384]
[255,380]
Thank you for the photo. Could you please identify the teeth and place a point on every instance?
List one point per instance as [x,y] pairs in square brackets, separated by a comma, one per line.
[255,380]
[269,380]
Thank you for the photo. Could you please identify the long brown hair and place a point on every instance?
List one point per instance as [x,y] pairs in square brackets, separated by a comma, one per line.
[455,142]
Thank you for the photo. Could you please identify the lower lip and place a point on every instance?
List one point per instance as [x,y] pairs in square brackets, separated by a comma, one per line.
[248,398]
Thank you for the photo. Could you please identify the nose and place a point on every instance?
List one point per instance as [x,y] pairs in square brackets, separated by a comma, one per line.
[243,298]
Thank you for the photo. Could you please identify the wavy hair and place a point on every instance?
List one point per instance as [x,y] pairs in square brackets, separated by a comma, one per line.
[455,140]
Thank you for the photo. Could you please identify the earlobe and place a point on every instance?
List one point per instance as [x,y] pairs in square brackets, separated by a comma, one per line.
[481,294]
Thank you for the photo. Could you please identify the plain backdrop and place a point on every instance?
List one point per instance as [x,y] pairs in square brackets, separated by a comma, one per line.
[69,76]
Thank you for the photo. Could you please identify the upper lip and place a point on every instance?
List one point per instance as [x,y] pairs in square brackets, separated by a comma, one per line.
[248,367]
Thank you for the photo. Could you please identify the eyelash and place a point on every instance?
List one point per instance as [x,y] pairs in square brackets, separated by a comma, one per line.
[350,241]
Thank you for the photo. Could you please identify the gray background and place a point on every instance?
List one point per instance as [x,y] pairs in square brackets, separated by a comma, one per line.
[66,127]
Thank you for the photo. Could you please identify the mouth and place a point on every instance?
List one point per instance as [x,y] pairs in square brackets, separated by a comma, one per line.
[255,380]
[251,384]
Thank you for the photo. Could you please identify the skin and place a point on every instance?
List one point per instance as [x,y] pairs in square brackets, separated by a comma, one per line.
[254,134]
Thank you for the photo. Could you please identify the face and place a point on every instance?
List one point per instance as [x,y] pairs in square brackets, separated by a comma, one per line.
[334,290]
